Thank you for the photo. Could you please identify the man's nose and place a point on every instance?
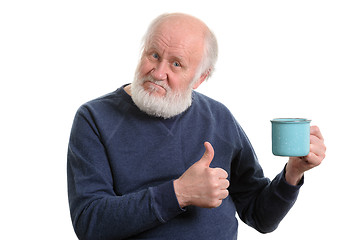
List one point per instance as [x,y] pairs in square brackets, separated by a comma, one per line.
[160,70]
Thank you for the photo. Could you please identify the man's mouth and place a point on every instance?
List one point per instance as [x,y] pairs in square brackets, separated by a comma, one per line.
[153,86]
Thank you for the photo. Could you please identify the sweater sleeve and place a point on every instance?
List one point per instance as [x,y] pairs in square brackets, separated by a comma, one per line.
[97,212]
[260,203]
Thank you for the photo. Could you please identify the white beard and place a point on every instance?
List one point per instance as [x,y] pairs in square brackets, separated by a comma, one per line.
[170,105]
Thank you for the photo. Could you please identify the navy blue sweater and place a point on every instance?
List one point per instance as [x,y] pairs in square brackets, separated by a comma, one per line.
[122,164]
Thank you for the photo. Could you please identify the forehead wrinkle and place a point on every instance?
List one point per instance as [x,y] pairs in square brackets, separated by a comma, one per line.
[162,44]
[179,26]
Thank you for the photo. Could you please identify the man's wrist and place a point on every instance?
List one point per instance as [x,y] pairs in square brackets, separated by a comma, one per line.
[178,194]
[293,177]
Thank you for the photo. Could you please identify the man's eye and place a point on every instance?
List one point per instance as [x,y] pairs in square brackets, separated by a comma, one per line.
[176,64]
[155,55]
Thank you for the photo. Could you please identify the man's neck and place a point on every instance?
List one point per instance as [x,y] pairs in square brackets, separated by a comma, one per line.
[128,90]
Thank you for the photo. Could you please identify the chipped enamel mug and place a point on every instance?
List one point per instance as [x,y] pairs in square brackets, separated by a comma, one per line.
[290,137]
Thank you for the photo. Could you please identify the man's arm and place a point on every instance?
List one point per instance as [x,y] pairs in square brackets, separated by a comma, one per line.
[97,211]
[261,203]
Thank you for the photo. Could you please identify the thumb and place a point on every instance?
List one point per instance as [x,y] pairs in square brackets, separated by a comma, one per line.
[208,154]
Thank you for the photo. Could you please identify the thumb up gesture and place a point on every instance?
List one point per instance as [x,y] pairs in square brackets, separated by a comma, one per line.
[201,185]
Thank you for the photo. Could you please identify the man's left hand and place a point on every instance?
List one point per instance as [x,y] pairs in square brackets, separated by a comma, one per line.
[296,166]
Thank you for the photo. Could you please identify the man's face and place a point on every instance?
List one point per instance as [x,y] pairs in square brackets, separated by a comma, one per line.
[171,57]
[169,62]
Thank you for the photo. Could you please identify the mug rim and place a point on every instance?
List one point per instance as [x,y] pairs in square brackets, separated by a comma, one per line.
[290,120]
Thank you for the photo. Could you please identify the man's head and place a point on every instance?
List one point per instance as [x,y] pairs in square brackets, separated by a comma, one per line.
[179,53]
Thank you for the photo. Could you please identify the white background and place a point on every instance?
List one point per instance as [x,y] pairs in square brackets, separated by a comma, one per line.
[277,59]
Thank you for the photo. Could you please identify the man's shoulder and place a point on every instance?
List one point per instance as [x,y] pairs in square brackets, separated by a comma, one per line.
[209,103]
[110,102]
[108,97]
[114,97]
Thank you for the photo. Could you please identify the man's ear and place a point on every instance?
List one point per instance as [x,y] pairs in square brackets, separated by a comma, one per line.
[201,79]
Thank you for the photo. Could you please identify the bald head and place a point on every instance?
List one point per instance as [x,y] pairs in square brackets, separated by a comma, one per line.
[179,22]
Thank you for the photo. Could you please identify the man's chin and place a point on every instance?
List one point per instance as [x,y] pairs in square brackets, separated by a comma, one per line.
[156,100]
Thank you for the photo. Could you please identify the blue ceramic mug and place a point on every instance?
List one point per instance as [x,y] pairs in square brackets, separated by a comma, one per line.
[290,137]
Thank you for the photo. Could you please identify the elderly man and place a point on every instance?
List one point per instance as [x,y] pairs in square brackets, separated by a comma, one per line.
[137,168]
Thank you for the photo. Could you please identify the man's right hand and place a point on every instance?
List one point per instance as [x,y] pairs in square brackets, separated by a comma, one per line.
[201,185]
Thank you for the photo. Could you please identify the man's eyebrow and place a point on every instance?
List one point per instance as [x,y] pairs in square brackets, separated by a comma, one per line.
[150,48]
[154,48]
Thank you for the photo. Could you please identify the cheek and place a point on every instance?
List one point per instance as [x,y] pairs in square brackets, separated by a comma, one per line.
[145,67]
[180,82]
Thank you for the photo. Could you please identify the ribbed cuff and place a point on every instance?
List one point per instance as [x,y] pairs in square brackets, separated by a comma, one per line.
[287,191]
[164,202]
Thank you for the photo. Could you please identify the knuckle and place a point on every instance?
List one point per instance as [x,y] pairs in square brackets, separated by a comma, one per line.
[315,128]
[224,173]
[313,138]
[215,185]
[211,173]
[312,148]
[225,194]
[214,195]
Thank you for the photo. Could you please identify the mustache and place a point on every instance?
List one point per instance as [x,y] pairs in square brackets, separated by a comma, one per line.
[160,83]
